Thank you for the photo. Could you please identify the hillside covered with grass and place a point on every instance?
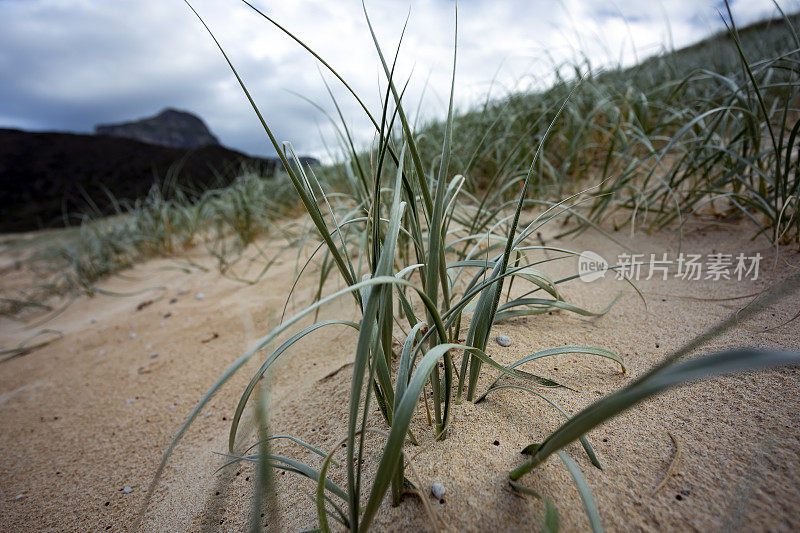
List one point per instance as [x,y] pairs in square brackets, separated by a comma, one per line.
[710,129]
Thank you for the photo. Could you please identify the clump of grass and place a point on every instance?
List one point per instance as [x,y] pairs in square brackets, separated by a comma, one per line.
[167,222]
[708,130]
[417,231]
[734,152]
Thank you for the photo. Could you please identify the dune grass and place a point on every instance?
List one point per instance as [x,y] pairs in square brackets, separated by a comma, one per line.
[708,131]
[168,222]
[424,256]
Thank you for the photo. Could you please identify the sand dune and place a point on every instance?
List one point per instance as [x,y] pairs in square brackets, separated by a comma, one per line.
[86,418]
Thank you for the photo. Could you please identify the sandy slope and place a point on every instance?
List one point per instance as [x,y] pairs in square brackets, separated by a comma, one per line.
[90,414]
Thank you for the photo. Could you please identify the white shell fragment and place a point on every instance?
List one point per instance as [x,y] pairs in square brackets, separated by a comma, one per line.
[438,491]
[200,296]
[503,340]
[133,335]
[127,490]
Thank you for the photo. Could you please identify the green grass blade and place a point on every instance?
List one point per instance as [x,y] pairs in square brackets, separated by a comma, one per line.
[656,381]
[265,366]
[584,441]
[585,492]
[552,521]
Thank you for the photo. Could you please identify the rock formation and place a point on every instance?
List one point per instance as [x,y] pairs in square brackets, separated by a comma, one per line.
[171,127]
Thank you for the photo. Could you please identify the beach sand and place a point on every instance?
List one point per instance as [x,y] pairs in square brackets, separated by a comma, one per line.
[86,419]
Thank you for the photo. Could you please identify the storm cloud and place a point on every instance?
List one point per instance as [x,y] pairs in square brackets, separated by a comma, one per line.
[67,65]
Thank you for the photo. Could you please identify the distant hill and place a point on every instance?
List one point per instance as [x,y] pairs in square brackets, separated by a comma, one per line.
[44,175]
[171,127]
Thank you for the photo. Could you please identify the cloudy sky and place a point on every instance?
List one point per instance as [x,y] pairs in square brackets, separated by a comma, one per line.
[67,65]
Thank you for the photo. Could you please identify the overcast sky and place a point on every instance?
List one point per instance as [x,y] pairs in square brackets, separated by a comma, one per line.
[67,65]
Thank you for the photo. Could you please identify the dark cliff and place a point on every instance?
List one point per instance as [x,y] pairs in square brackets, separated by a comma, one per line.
[44,175]
[177,129]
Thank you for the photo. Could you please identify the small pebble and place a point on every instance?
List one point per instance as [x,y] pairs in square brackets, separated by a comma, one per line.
[208,414]
[200,296]
[93,321]
[148,346]
[153,355]
[503,340]
[438,491]
[181,292]
[102,352]
[103,328]
[127,490]
[129,401]
[133,335]
[171,407]
[163,324]
[173,300]
[19,496]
